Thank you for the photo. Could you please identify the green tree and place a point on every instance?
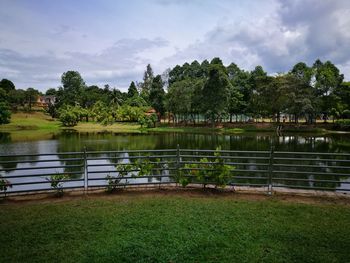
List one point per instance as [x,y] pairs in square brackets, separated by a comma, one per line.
[157,95]
[179,98]
[136,101]
[3,95]
[17,97]
[73,88]
[216,93]
[132,91]
[236,100]
[334,113]
[147,82]
[5,113]
[51,92]
[7,85]
[343,93]
[257,78]
[31,96]
[327,81]
[69,116]
[301,97]
[116,98]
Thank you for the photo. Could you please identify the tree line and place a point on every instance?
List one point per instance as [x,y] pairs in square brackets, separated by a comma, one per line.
[194,92]
[218,92]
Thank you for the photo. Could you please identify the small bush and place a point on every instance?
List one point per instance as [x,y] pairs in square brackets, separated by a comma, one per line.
[68,117]
[113,181]
[342,124]
[56,182]
[148,121]
[4,185]
[144,166]
[208,172]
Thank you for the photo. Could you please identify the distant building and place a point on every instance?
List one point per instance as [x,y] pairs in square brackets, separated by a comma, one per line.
[150,112]
[45,101]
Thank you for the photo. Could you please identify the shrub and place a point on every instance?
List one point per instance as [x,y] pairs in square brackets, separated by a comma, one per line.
[208,172]
[56,182]
[148,121]
[113,181]
[144,166]
[4,185]
[343,122]
[142,121]
[68,116]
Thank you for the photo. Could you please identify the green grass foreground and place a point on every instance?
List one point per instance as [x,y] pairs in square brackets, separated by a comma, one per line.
[173,228]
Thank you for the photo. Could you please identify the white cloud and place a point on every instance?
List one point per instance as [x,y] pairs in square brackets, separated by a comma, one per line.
[117,65]
[295,31]
[112,42]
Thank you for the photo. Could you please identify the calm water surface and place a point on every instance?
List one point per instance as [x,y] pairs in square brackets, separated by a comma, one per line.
[74,141]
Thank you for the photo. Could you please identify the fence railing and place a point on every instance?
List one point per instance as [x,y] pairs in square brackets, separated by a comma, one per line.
[269,170]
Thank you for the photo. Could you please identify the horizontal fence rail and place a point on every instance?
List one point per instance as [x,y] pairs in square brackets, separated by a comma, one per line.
[270,170]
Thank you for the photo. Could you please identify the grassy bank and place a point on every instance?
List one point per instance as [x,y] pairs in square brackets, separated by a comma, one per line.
[38,124]
[194,129]
[31,121]
[116,127]
[166,228]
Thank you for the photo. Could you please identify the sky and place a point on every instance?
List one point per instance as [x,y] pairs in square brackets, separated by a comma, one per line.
[112,41]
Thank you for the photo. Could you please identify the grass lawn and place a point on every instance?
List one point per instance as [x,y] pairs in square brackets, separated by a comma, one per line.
[30,121]
[173,228]
[116,127]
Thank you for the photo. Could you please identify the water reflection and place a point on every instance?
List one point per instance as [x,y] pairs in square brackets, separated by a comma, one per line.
[75,142]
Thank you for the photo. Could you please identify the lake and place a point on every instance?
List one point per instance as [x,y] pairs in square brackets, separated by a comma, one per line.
[74,141]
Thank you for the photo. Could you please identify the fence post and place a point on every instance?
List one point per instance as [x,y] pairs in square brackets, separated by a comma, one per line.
[269,189]
[85,172]
[177,162]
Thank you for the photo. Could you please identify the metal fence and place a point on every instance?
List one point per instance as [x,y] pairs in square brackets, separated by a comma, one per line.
[269,170]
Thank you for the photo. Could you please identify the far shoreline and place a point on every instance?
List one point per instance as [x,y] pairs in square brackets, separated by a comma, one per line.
[37,124]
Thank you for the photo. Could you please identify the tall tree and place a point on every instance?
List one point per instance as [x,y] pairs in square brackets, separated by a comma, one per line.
[116,97]
[132,91]
[166,78]
[328,79]
[179,99]
[257,80]
[216,93]
[3,95]
[343,92]
[73,87]
[147,82]
[157,95]
[301,97]
[31,96]
[236,100]
[17,98]
[7,85]
[51,92]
